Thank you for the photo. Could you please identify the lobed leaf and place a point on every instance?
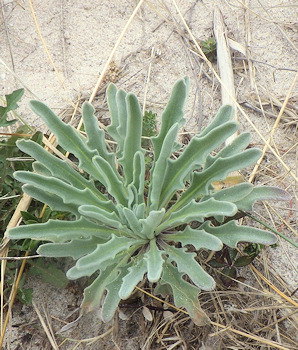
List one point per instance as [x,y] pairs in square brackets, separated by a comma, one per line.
[112,104]
[133,221]
[112,298]
[105,251]
[100,215]
[40,169]
[172,114]
[197,211]
[96,136]
[233,194]
[231,234]
[68,137]
[154,261]
[187,264]
[139,176]
[219,170]
[11,104]
[160,167]
[261,193]
[235,147]
[61,231]
[57,167]
[135,275]
[185,294]
[53,201]
[74,272]
[198,238]
[69,194]
[140,210]
[75,249]
[132,142]
[122,119]
[224,114]
[110,178]
[93,294]
[192,157]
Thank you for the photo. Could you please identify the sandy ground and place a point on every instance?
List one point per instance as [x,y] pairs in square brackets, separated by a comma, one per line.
[57,50]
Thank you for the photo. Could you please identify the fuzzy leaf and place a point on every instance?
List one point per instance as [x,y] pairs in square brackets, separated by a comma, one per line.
[53,201]
[154,261]
[57,167]
[139,176]
[94,293]
[96,136]
[185,294]
[61,231]
[198,238]
[112,104]
[133,222]
[112,299]
[172,114]
[219,170]
[160,167]
[151,222]
[75,249]
[262,193]
[234,193]
[40,169]
[230,234]
[192,157]
[197,211]
[235,147]
[140,210]
[102,216]
[110,179]
[105,252]
[122,119]
[69,194]
[132,142]
[68,137]
[187,264]
[125,205]
[134,276]
[225,114]
[75,272]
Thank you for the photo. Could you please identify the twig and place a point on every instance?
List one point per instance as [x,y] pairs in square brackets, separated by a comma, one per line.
[19,257]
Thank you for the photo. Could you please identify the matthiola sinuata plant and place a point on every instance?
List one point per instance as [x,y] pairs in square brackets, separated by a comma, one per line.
[122,228]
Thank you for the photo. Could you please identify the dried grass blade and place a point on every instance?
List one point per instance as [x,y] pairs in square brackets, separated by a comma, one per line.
[46,328]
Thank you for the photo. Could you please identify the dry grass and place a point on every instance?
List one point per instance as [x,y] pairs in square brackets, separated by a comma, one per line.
[259,313]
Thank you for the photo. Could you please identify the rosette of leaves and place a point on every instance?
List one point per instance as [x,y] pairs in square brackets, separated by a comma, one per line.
[122,231]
